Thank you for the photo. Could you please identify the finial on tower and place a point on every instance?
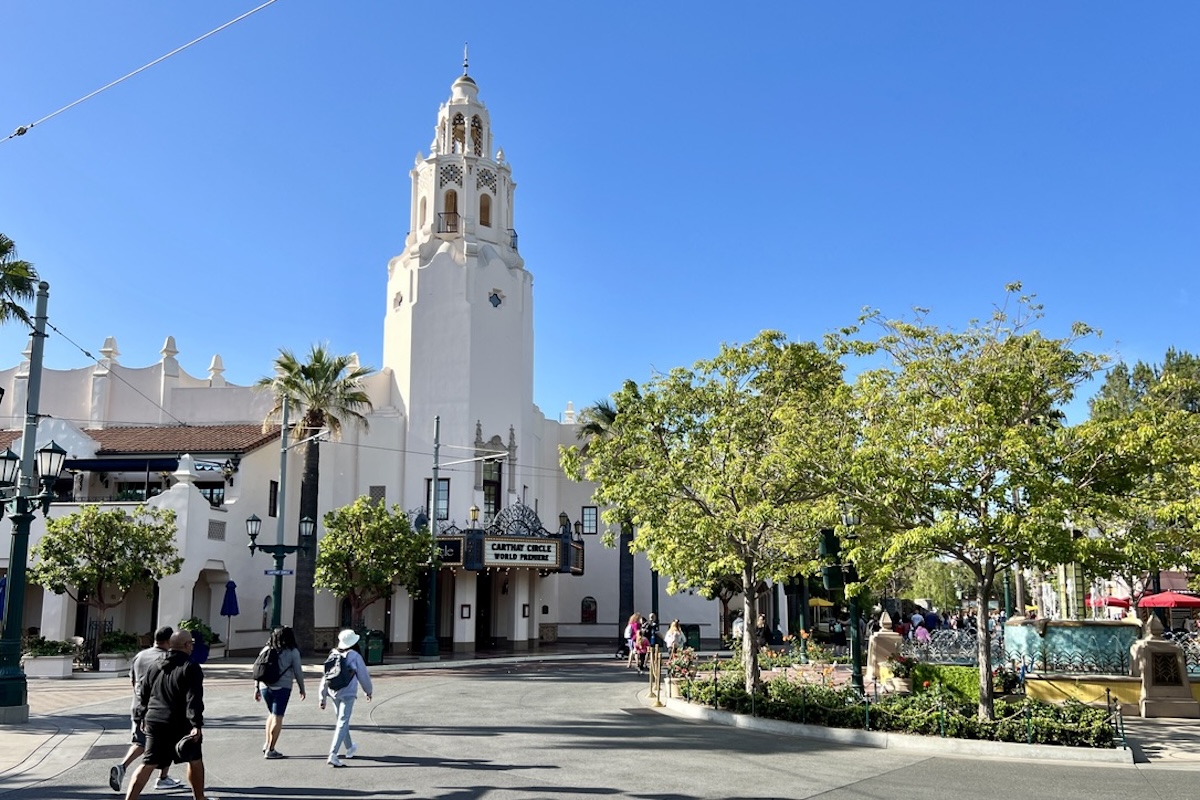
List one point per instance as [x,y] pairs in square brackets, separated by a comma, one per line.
[465,57]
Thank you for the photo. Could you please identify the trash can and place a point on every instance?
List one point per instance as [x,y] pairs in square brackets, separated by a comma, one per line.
[372,647]
[691,635]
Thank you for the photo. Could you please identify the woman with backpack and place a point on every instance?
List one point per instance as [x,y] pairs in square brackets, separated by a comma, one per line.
[274,670]
[344,672]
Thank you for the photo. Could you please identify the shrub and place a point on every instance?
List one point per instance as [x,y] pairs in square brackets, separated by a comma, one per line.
[199,626]
[120,642]
[961,682]
[936,712]
[41,646]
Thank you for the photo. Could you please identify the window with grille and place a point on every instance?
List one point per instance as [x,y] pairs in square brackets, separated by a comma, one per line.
[590,516]
[587,611]
[377,495]
[216,530]
[213,491]
[442,501]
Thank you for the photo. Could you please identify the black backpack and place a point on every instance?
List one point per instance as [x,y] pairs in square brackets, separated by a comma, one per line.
[266,666]
[337,672]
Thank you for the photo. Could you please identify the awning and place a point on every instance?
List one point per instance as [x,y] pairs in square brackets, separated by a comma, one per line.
[125,464]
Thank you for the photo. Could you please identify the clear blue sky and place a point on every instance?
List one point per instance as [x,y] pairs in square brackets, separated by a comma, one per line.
[687,174]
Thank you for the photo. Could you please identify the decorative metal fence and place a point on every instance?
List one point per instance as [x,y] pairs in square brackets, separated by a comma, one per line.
[958,647]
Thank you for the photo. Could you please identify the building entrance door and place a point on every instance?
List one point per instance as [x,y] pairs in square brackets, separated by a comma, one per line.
[484,639]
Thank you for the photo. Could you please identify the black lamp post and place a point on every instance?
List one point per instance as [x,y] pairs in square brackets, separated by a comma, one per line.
[14,694]
[13,686]
[851,520]
[280,551]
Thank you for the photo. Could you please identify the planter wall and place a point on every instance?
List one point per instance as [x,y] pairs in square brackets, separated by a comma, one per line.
[114,662]
[48,666]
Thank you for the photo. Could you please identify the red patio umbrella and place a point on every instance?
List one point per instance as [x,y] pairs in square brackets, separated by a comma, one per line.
[1169,600]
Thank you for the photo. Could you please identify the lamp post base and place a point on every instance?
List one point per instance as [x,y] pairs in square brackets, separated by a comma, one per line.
[14,700]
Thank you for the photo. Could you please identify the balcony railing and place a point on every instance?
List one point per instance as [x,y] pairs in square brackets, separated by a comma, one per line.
[512,238]
[448,222]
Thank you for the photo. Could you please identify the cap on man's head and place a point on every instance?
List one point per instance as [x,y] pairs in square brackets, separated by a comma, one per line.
[163,634]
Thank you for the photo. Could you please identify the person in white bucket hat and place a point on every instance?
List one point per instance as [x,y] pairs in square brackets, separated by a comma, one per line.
[344,672]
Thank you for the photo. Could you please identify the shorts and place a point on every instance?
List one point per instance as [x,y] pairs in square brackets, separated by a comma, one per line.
[161,738]
[137,736]
[276,700]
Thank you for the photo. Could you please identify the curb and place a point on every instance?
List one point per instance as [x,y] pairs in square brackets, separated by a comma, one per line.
[881,740]
[61,750]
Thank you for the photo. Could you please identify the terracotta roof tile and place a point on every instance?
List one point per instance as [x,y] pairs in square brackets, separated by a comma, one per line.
[178,439]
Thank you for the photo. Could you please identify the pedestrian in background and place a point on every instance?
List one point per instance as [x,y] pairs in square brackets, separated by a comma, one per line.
[137,744]
[631,636]
[343,698]
[277,693]
[674,638]
[642,648]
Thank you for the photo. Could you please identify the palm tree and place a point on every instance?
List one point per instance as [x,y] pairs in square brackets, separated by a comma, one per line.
[597,422]
[323,393]
[18,280]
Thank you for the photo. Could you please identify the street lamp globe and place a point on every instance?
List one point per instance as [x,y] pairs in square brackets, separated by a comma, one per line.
[10,462]
[308,527]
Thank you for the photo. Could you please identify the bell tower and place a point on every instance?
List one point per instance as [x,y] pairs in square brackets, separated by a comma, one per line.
[458,330]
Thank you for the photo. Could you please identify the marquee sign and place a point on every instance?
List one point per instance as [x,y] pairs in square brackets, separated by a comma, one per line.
[450,552]
[521,552]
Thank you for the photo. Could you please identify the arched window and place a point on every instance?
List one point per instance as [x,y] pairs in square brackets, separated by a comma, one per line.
[421,224]
[485,210]
[347,613]
[458,132]
[476,135]
[448,219]
[587,611]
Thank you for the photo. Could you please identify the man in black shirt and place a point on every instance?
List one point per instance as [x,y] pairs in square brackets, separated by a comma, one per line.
[170,706]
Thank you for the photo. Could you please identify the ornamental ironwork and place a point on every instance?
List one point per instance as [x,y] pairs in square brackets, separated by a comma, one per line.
[949,646]
[518,520]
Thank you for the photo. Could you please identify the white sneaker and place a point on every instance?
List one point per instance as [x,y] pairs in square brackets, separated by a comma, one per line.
[168,783]
[115,776]
[334,761]
[351,750]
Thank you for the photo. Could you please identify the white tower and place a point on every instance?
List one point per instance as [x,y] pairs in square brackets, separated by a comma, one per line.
[458,332]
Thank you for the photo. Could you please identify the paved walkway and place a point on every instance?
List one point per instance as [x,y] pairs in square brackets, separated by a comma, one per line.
[79,719]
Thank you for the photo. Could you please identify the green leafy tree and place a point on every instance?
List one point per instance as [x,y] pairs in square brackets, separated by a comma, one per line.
[1146,419]
[960,457]
[323,393]
[93,554]
[18,282]
[366,549]
[941,581]
[724,468]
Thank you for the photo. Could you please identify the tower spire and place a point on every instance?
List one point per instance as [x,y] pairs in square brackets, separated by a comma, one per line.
[465,57]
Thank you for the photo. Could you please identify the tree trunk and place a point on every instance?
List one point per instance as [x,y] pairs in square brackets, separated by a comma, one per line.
[983,646]
[749,620]
[624,578]
[303,614]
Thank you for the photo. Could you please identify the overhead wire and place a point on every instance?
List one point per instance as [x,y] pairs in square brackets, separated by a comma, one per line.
[24,129]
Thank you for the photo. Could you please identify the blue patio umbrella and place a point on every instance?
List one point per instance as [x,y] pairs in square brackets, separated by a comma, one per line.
[229,607]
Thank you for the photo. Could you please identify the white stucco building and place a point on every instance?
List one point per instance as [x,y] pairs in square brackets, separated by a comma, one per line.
[458,344]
